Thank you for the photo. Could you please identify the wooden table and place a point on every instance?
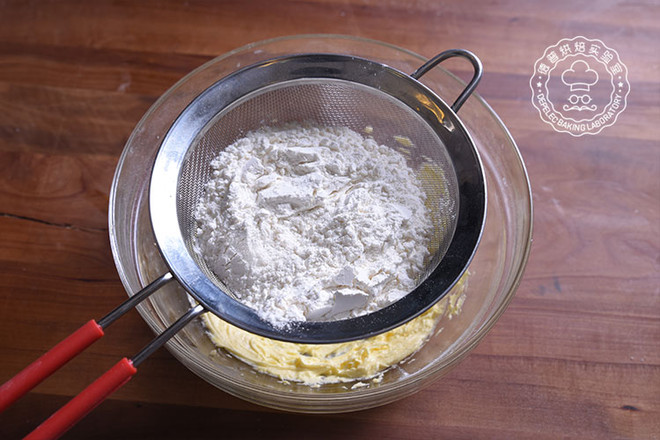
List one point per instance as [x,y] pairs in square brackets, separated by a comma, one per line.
[576,355]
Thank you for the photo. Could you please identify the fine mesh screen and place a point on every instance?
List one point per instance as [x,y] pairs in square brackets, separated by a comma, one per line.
[328,102]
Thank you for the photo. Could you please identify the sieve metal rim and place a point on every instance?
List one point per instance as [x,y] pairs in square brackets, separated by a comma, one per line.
[192,121]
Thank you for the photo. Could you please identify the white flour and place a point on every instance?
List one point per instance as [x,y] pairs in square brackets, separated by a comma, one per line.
[313,223]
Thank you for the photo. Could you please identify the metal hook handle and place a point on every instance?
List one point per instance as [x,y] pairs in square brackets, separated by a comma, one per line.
[472,58]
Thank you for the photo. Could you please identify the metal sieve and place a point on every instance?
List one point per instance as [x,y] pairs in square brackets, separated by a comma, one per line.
[328,90]
[325,89]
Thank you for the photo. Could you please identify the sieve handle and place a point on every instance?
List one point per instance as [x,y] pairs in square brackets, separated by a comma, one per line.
[70,347]
[472,58]
[48,363]
[99,390]
[78,407]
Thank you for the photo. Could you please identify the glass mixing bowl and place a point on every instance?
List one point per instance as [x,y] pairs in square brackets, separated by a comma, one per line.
[494,272]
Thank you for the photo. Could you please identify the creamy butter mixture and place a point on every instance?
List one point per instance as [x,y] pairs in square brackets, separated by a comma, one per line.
[317,364]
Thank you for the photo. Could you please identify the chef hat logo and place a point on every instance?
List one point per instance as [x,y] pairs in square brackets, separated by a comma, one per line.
[579,76]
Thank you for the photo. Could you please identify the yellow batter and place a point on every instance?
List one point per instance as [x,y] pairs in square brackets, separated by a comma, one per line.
[316,364]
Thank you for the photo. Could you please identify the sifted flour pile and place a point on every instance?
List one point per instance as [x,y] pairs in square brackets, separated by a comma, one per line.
[313,223]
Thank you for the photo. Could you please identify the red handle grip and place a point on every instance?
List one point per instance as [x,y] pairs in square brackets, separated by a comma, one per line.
[48,363]
[83,403]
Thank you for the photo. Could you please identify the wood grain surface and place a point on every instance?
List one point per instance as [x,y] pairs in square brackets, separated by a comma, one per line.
[577,353]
